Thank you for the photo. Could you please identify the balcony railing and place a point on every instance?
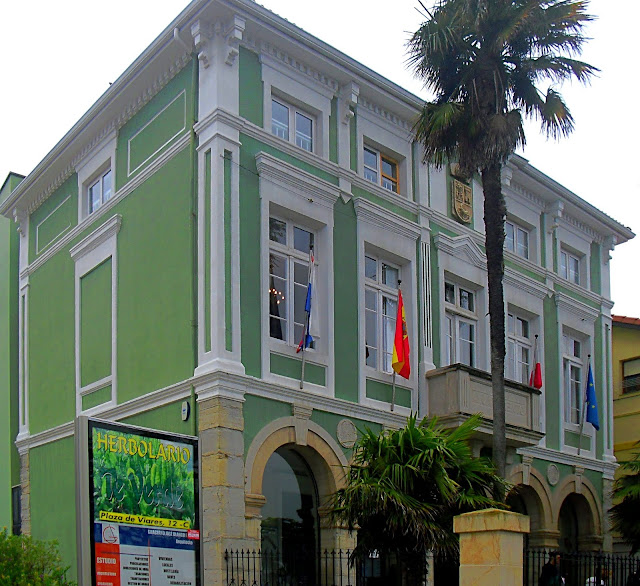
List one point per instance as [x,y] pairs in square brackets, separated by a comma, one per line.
[458,391]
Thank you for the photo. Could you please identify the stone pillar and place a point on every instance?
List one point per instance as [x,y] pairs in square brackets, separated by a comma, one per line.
[607,502]
[491,546]
[545,539]
[221,424]
[25,494]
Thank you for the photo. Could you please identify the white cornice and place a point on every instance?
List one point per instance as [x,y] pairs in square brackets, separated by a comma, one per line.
[107,207]
[386,115]
[117,121]
[233,386]
[569,304]
[101,234]
[462,247]
[291,178]
[524,283]
[383,219]
[606,468]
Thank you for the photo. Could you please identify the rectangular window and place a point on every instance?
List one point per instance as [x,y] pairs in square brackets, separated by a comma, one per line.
[516,239]
[631,375]
[380,169]
[99,191]
[460,325]
[289,254]
[570,267]
[286,118]
[518,359]
[381,306]
[572,373]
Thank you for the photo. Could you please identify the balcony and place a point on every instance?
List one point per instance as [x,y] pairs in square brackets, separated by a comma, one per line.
[458,391]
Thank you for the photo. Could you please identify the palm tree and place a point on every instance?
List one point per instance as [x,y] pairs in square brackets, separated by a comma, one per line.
[405,486]
[624,514]
[484,60]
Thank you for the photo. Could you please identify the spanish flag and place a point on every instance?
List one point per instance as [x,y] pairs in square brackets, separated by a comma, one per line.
[400,360]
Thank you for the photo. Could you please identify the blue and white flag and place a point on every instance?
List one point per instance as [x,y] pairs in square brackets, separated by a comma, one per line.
[592,402]
[307,338]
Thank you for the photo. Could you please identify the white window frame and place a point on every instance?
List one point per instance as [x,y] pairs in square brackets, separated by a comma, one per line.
[572,394]
[100,183]
[292,257]
[565,270]
[292,123]
[519,234]
[381,178]
[91,170]
[518,342]
[382,291]
[456,315]
[90,252]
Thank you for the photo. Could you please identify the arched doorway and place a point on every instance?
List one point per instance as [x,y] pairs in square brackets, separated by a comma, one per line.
[290,529]
[568,525]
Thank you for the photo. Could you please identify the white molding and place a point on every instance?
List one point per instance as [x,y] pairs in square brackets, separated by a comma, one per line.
[383,219]
[571,305]
[525,283]
[220,383]
[91,251]
[182,94]
[60,234]
[561,457]
[403,126]
[107,207]
[297,181]
[463,248]
[98,237]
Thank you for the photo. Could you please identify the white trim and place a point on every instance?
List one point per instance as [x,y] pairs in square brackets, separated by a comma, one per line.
[182,94]
[23,353]
[570,459]
[463,248]
[101,159]
[60,234]
[28,269]
[383,219]
[90,252]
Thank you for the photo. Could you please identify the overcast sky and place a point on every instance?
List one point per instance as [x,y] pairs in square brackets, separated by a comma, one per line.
[59,57]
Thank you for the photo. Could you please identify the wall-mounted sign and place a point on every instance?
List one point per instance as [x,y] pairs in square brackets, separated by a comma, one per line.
[143,505]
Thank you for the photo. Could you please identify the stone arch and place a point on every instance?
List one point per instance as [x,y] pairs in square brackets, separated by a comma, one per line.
[322,454]
[580,494]
[534,490]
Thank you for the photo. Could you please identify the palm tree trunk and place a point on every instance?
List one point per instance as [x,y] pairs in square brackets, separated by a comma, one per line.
[495,211]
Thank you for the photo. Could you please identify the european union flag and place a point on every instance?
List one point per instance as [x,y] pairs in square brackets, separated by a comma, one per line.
[592,402]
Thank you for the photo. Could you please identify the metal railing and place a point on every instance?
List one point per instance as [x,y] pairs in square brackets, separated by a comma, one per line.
[577,568]
[329,568]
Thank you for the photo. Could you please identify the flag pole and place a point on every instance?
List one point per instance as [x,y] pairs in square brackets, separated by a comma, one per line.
[393,380]
[305,333]
[584,408]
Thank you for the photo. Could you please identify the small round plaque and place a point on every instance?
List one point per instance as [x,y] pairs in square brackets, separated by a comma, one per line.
[553,474]
[347,433]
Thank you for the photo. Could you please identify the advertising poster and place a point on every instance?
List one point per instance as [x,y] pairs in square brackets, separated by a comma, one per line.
[144,506]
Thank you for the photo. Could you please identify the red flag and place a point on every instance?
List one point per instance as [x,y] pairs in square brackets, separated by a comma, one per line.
[400,360]
[535,378]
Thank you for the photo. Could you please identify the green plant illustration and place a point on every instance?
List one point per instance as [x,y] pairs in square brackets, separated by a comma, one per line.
[137,484]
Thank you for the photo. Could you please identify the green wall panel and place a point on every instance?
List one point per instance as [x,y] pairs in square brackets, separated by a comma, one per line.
[346,340]
[552,373]
[166,418]
[383,392]
[258,412]
[596,278]
[333,131]
[250,258]
[250,87]
[51,332]
[54,218]
[524,271]
[95,324]
[156,127]
[396,209]
[600,383]
[207,251]
[53,492]
[543,241]
[96,398]
[154,320]
[353,140]
[292,367]
[228,315]
[572,439]
[581,298]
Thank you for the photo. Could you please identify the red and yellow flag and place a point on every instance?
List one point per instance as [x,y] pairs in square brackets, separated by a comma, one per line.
[400,360]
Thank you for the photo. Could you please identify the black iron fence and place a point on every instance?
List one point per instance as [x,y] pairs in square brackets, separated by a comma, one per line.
[584,568]
[330,568]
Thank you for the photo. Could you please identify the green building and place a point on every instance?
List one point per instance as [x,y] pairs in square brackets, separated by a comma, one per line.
[164,250]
